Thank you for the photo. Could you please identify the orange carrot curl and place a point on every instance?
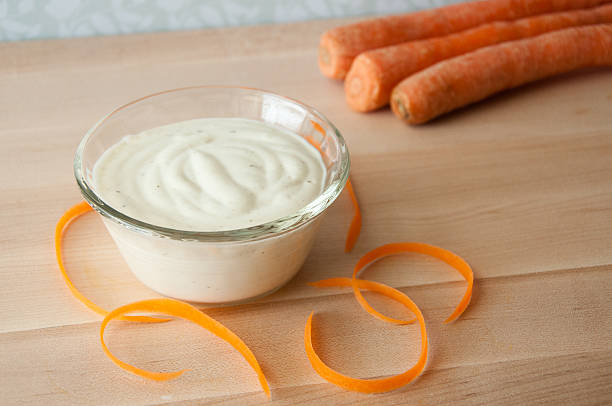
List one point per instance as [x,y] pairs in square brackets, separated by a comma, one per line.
[468,78]
[374,74]
[368,385]
[397,248]
[394,382]
[61,227]
[184,311]
[355,227]
[340,45]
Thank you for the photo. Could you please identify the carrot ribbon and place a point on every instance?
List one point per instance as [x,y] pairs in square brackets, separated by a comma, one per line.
[184,311]
[355,227]
[368,385]
[396,381]
[62,225]
[396,248]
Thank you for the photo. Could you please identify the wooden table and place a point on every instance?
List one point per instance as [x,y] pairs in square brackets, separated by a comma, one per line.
[519,185]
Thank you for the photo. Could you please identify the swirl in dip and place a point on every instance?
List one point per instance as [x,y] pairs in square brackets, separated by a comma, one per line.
[210,174]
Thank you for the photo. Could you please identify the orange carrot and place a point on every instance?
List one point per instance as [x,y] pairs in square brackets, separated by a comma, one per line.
[318,127]
[185,311]
[314,143]
[368,385]
[355,228]
[374,73]
[62,225]
[340,45]
[396,248]
[468,78]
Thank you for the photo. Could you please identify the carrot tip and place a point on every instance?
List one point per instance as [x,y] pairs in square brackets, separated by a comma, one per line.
[172,375]
[324,55]
[401,108]
[354,86]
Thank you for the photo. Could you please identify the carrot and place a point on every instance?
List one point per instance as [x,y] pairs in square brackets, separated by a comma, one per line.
[314,143]
[355,228]
[368,385]
[62,225]
[318,127]
[374,73]
[396,248]
[468,78]
[184,311]
[339,46]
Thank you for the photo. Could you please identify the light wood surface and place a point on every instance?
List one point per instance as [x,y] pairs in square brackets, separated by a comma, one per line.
[519,185]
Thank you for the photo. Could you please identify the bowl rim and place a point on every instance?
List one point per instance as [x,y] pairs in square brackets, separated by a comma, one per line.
[269,229]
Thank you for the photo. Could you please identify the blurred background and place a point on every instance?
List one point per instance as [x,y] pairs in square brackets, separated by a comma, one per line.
[41,19]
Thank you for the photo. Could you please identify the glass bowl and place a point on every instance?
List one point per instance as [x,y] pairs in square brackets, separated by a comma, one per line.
[222,266]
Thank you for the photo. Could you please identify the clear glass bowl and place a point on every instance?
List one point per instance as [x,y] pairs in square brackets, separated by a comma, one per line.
[224,266]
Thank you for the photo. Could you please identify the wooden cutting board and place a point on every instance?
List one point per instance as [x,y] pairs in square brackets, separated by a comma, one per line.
[520,185]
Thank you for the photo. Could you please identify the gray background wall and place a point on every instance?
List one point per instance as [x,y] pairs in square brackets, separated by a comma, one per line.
[35,19]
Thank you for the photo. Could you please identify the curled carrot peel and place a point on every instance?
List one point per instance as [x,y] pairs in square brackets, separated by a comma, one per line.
[355,227]
[311,139]
[396,248]
[368,385]
[62,225]
[184,311]
[314,143]
[318,127]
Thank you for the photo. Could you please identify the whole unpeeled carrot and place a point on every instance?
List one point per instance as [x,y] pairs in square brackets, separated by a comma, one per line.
[340,45]
[375,73]
[474,76]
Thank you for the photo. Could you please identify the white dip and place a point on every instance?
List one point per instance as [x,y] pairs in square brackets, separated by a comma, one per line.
[210,174]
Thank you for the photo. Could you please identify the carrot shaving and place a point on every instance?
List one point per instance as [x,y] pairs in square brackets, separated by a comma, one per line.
[311,139]
[62,225]
[367,385]
[396,248]
[314,143]
[317,127]
[355,227]
[184,311]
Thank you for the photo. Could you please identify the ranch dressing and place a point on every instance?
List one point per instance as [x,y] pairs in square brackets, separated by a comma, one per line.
[210,174]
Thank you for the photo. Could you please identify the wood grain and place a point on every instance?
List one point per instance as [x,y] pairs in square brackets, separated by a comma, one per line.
[520,185]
